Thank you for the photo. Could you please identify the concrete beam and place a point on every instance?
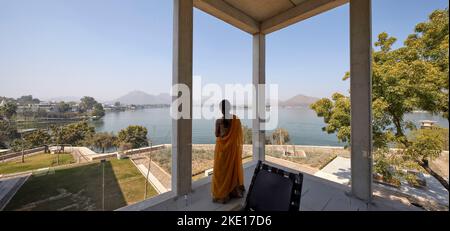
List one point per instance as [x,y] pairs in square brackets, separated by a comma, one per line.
[259,103]
[182,74]
[361,98]
[229,14]
[304,10]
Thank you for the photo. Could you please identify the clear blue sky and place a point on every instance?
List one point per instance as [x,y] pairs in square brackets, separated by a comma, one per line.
[106,48]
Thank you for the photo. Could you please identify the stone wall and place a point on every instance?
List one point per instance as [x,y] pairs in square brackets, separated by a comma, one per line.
[144,150]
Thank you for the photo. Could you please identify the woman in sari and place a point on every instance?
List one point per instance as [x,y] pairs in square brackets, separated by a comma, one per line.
[228,179]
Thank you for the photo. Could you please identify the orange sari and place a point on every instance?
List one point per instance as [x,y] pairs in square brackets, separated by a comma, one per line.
[228,172]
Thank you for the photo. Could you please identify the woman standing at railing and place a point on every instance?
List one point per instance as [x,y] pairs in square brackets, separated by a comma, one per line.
[227,179]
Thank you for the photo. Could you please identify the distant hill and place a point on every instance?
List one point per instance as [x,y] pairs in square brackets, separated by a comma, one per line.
[142,98]
[299,101]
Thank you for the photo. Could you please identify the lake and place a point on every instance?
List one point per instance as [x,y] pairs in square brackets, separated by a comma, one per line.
[304,127]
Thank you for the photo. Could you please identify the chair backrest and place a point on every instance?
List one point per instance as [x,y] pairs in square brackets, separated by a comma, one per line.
[274,189]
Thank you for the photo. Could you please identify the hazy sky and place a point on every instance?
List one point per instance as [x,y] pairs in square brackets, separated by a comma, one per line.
[106,48]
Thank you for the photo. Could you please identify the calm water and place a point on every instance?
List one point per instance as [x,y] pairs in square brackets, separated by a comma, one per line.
[304,127]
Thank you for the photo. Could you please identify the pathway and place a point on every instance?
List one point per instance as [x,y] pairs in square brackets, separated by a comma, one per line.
[339,171]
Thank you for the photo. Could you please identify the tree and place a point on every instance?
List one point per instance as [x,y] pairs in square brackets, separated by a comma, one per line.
[412,77]
[426,145]
[247,132]
[134,135]
[123,147]
[8,132]
[57,135]
[98,110]
[73,134]
[38,138]
[280,136]
[8,110]
[431,42]
[63,107]
[87,103]
[104,140]
[336,114]
[117,104]
[20,145]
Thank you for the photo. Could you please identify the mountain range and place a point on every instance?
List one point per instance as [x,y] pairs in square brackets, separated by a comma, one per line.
[298,101]
[142,98]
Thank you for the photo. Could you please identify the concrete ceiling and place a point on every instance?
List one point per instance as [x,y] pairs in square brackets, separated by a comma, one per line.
[261,10]
[265,16]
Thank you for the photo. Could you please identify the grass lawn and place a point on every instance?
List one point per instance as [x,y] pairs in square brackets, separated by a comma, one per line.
[80,188]
[35,162]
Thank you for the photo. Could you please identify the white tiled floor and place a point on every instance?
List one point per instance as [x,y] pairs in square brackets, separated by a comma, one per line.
[317,195]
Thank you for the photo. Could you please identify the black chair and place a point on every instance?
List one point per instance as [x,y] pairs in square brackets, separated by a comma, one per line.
[274,189]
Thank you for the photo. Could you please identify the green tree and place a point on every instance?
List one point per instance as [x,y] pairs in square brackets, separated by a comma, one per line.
[134,135]
[430,42]
[18,145]
[280,136]
[87,103]
[425,146]
[56,133]
[73,134]
[8,132]
[405,79]
[63,107]
[8,110]
[98,110]
[336,114]
[384,166]
[38,138]
[104,140]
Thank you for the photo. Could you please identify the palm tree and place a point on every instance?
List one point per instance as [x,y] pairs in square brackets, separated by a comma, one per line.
[104,141]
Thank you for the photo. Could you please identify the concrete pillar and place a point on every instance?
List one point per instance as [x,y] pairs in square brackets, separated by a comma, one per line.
[361,98]
[259,105]
[182,74]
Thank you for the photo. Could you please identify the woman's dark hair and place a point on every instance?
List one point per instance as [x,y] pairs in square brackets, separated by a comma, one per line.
[225,108]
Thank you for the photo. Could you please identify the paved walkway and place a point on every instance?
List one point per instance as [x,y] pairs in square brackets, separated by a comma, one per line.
[339,171]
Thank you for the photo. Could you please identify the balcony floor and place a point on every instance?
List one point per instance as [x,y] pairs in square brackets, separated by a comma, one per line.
[317,195]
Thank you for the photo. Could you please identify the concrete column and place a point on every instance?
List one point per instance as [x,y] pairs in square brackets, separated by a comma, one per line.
[361,98]
[182,74]
[259,105]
